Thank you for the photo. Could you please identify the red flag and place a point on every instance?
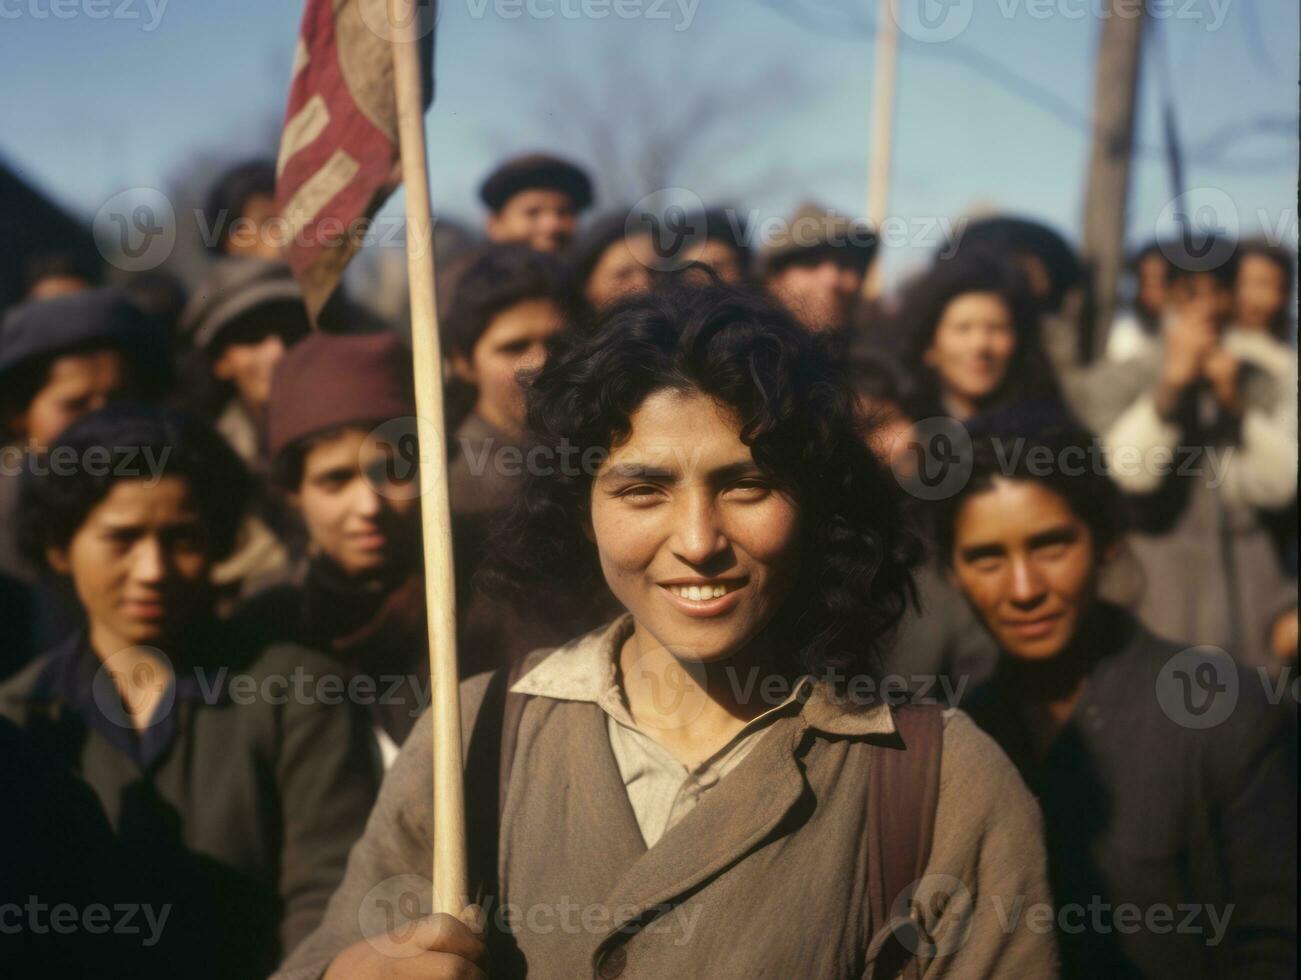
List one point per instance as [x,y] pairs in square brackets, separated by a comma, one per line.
[339,148]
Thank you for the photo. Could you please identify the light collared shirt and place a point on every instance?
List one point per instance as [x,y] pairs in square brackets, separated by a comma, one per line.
[660,788]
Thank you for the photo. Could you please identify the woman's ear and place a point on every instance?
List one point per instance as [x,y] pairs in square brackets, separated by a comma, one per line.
[588,531]
[57,559]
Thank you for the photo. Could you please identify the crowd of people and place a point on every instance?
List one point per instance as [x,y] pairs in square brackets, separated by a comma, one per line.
[784,614]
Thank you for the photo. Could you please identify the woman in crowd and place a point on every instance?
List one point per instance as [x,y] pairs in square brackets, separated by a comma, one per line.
[236,789]
[612,261]
[341,434]
[755,546]
[510,301]
[1170,816]
[974,341]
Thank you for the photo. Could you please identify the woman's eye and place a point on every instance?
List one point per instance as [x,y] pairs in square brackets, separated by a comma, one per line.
[1051,552]
[750,488]
[639,493]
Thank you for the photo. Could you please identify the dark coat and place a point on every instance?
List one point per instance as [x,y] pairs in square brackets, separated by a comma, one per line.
[236,809]
[1140,807]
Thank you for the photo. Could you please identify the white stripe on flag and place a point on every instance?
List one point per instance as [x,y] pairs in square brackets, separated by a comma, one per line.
[308,123]
[302,55]
[317,190]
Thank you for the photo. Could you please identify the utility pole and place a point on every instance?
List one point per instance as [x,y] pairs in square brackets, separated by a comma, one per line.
[1115,94]
[882,135]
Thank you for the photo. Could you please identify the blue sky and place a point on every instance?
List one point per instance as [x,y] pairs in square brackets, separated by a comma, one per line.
[96,105]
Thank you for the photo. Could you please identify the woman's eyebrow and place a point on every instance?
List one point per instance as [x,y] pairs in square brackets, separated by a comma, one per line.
[638,471]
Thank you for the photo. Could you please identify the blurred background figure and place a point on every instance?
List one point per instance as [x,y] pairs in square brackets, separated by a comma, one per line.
[240,211]
[238,813]
[535,200]
[614,259]
[341,436]
[723,246]
[1220,402]
[815,267]
[1134,331]
[59,273]
[974,344]
[60,359]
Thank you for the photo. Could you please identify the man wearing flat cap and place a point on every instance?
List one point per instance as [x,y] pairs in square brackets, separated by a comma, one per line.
[535,200]
[815,266]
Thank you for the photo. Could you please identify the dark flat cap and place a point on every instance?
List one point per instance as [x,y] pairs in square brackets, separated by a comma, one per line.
[536,170]
[329,380]
[106,316]
[235,288]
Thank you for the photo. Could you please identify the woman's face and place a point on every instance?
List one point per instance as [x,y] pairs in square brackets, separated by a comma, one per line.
[139,563]
[1259,292]
[973,346]
[624,269]
[1026,562]
[514,342]
[356,516]
[694,540]
[77,384]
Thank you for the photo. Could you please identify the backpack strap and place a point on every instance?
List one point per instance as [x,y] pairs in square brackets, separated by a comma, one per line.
[903,790]
[492,750]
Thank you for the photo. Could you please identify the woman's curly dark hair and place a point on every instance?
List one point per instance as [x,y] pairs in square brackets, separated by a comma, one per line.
[1029,375]
[798,419]
[125,441]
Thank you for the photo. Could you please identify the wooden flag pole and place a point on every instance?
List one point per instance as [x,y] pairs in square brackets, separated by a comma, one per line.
[882,130]
[449,870]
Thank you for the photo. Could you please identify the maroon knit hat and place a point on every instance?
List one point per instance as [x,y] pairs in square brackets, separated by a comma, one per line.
[329,380]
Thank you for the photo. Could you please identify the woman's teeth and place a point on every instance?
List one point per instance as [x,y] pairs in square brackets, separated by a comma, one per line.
[698,593]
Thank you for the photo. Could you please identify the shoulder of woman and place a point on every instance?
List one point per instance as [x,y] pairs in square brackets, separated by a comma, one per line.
[979,785]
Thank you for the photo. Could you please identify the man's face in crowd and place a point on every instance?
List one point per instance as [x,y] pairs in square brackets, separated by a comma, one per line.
[139,563]
[1026,563]
[624,269]
[77,384]
[1259,292]
[250,352]
[973,346]
[820,293]
[251,235]
[542,219]
[694,539]
[514,342]
[356,516]
[1153,282]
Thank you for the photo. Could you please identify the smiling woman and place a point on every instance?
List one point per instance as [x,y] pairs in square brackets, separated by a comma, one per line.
[730,452]
[686,787]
